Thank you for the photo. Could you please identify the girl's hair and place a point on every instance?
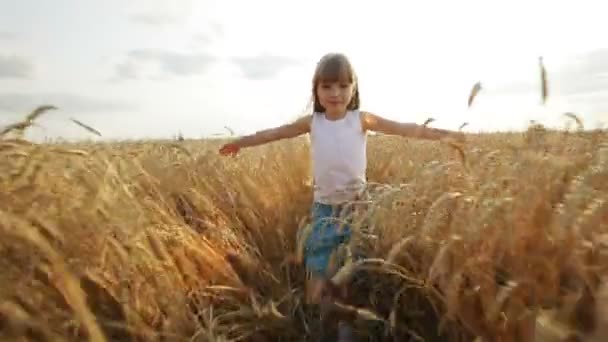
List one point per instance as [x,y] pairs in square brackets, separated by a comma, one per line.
[335,67]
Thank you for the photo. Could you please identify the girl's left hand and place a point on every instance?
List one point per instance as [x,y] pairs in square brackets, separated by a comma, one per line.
[230,149]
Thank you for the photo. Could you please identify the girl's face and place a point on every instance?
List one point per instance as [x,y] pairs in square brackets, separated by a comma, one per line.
[335,96]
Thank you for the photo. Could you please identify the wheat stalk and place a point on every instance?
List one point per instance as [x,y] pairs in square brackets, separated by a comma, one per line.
[427,122]
[29,120]
[576,119]
[544,87]
[473,93]
[87,127]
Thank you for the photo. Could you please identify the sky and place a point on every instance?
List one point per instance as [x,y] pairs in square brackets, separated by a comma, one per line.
[155,68]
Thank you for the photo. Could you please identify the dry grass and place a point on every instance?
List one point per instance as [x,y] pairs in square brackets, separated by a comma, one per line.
[167,241]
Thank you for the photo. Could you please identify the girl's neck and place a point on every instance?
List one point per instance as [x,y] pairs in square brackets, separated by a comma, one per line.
[335,116]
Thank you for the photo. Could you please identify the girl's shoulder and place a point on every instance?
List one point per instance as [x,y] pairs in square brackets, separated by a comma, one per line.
[365,118]
[304,121]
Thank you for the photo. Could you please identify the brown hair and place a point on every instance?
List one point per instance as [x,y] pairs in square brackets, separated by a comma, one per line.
[334,67]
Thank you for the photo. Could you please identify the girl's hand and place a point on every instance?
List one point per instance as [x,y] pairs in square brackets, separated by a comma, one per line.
[230,149]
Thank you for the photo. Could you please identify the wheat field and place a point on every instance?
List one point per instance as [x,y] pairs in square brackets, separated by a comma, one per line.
[501,239]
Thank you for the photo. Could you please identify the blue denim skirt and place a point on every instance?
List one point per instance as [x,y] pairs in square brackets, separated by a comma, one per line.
[330,229]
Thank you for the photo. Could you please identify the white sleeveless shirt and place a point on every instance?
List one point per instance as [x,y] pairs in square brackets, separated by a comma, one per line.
[339,158]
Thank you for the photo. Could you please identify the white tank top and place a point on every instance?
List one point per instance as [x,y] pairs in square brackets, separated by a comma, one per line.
[339,159]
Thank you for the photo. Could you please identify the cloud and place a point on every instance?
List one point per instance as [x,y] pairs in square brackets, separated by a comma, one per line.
[16,67]
[212,32]
[160,13]
[202,38]
[594,104]
[22,102]
[5,35]
[168,62]
[585,74]
[154,19]
[126,70]
[580,85]
[264,66]
[206,37]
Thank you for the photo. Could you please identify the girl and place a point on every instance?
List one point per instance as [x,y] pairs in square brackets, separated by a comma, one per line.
[338,131]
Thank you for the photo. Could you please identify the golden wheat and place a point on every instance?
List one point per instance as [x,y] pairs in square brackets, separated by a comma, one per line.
[158,240]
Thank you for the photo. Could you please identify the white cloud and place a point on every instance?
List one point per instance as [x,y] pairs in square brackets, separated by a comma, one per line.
[413,60]
[168,63]
[588,73]
[154,19]
[579,83]
[582,74]
[264,67]
[126,71]
[212,32]
[6,35]
[24,102]
[16,67]
[160,13]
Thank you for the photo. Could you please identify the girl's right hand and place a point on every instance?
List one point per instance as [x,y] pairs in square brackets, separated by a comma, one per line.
[230,149]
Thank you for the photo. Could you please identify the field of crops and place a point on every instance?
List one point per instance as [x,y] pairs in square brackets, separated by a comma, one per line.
[167,241]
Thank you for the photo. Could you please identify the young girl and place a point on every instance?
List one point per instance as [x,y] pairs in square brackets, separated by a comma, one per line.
[338,131]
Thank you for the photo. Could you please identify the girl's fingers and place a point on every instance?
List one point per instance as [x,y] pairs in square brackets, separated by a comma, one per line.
[229,149]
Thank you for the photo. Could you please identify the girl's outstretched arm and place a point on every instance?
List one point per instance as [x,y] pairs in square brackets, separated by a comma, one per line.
[291,130]
[379,124]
